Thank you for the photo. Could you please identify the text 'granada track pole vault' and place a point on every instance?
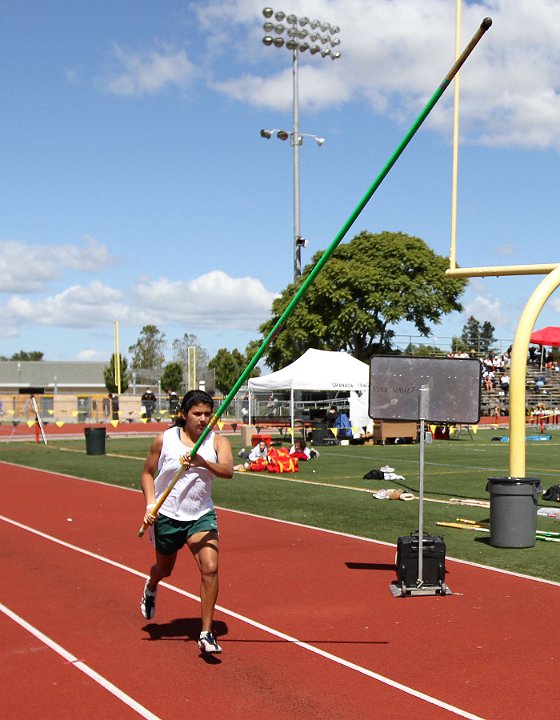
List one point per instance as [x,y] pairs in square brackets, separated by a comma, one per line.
[485,25]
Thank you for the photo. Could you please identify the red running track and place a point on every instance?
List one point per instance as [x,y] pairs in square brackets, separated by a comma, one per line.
[487,651]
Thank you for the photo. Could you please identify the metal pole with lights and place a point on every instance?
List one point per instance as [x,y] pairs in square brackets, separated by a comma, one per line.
[319,39]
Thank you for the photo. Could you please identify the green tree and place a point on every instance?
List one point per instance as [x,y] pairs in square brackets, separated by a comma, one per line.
[487,338]
[147,351]
[423,350]
[172,377]
[470,334]
[458,345]
[250,351]
[228,366]
[368,286]
[477,336]
[109,375]
[25,356]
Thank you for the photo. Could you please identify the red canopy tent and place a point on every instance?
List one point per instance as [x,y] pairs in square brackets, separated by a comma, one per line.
[548,336]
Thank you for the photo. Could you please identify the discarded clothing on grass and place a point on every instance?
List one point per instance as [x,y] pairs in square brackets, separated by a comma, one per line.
[392,476]
[392,494]
[386,472]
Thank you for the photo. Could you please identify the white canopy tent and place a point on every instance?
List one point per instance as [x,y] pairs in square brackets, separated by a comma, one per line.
[316,370]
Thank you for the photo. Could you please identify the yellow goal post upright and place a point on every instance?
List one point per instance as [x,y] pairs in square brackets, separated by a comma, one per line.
[518,370]
[191,368]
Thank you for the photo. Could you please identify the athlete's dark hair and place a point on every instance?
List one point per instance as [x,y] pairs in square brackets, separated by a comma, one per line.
[192,398]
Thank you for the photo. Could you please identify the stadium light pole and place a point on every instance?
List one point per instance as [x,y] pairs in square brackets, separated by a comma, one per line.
[319,39]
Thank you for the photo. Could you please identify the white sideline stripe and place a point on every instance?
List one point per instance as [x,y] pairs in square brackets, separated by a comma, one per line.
[96,677]
[470,563]
[271,631]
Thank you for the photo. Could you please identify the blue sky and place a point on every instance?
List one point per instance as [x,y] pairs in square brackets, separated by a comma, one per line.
[134,184]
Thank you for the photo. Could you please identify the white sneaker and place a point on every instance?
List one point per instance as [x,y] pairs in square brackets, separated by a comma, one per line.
[148,603]
[207,643]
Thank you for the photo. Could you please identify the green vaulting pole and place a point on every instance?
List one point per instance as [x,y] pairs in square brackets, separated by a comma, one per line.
[486,23]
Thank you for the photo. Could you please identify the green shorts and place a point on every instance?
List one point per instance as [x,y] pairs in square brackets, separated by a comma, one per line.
[170,535]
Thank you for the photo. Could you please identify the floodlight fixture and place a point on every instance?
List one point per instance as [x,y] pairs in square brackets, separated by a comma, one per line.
[293,32]
[279,23]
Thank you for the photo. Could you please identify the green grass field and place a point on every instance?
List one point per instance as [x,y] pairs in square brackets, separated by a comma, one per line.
[330,492]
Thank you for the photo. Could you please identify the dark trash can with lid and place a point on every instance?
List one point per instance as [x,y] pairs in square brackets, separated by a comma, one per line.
[513,511]
[95,440]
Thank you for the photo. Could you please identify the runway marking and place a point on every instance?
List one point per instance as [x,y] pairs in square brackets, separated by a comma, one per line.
[231,613]
[264,628]
[79,664]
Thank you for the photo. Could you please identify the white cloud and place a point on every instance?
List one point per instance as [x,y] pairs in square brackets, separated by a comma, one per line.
[394,55]
[555,304]
[508,249]
[148,73]
[26,268]
[95,305]
[486,308]
[72,75]
[91,356]
[319,89]
[212,301]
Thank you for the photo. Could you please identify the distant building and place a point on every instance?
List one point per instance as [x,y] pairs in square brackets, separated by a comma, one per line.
[43,376]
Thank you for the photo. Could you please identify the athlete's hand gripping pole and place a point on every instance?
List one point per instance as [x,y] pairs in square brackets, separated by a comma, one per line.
[154,511]
[485,25]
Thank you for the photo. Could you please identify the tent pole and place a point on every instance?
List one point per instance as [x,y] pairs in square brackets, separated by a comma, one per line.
[292,413]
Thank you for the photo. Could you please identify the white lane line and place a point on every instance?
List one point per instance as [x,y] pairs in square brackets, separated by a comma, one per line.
[96,677]
[470,563]
[271,631]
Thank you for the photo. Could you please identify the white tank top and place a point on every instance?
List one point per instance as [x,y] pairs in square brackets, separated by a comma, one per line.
[191,496]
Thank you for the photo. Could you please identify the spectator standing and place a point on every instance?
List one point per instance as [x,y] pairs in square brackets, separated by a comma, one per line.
[174,402]
[115,406]
[148,403]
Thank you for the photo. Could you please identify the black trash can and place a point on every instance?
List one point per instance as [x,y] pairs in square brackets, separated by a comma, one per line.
[513,511]
[95,440]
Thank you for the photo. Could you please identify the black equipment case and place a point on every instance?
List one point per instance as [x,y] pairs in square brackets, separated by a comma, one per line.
[433,560]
